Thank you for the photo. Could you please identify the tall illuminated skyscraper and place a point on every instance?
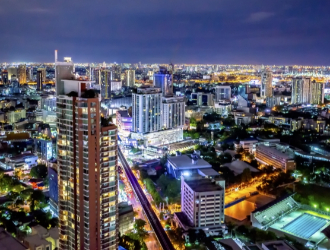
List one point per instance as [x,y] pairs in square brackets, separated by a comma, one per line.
[130,78]
[164,80]
[266,89]
[87,167]
[41,78]
[21,71]
[103,78]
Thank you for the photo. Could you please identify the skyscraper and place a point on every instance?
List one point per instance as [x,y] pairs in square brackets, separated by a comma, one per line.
[87,167]
[12,71]
[266,89]
[103,78]
[146,106]
[41,78]
[21,71]
[164,80]
[4,77]
[116,72]
[306,91]
[173,112]
[130,78]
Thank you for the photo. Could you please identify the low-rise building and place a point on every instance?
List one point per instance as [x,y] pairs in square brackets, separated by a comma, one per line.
[222,107]
[246,144]
[8,242]
[126,217]
[42,239]
[24,161]
[15,116]
[185,165]
[276,158]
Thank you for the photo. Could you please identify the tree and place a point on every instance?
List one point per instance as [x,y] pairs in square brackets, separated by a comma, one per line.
[36,196]
[246,175]
[39,171]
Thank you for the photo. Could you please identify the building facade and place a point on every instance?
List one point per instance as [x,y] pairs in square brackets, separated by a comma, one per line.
[274,157]
[222,92]
[173,112]
[266,89]
[202,201]
[146,107]
[130,77]
[41,78]
[87,169]
[164,80]
[21,71]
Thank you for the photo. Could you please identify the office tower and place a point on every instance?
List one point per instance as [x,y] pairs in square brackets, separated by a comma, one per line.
[21,71]
[4,77]
[41,78]
[164,80]
[116,72]
[300,90]
[146,106]
[130,78]
[222,92]
[266,89]
[11,71]
[173,112]
[87,168]
[202,202]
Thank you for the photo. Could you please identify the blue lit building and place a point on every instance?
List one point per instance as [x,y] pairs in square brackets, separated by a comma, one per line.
[53,190]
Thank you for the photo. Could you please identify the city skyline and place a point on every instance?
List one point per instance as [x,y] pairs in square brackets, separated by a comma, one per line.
[218,32]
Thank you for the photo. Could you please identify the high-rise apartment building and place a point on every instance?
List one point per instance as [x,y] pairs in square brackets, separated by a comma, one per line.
[316,92]
[4,77]
[41,78]
[146,107]
[222,92]
[116,72]
[173,112]
[103,78]
[164,80]
[21,71]
[87,167]
[130,78]
[306,91]
[266,89]
[12,71]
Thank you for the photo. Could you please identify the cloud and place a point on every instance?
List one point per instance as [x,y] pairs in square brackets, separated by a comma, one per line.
[259,16]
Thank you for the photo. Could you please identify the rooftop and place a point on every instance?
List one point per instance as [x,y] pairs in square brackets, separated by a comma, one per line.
[8,242]
[202,185]
[238,167]
[274,151]
[182,162]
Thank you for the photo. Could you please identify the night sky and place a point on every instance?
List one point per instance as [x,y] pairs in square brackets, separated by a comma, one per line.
[163,31]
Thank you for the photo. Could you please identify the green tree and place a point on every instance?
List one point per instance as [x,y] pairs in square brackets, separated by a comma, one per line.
[246,175]
[39,171]
[37,196]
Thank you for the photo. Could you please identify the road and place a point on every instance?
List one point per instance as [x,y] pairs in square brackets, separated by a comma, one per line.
[152,218]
